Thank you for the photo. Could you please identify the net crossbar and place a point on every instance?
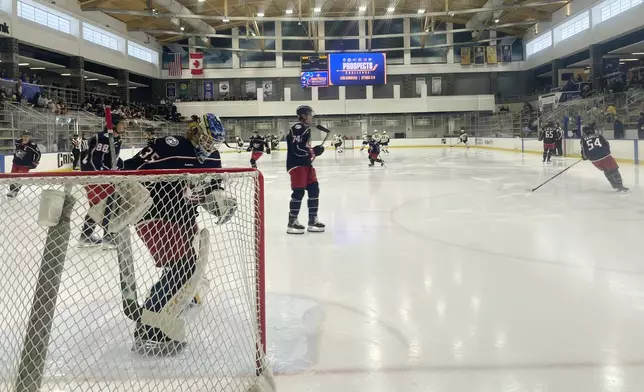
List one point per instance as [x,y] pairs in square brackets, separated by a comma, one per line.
[175,302]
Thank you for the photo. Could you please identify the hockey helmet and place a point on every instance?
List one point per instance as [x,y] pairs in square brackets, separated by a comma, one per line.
[207,138]
[588,130]
[303,111]
[116,120]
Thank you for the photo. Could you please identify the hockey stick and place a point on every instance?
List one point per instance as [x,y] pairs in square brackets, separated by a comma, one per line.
[326,137]
[131,306]
[556,175]
[234,147]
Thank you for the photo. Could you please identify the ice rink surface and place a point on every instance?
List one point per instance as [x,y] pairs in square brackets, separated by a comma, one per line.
[442,273]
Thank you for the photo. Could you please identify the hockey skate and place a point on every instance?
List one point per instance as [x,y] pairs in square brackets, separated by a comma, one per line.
[294,227]
[87,241]
[371,164]
[315,226]
[151,342]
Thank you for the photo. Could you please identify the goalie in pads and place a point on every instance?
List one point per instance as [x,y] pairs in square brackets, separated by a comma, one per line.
[170,232]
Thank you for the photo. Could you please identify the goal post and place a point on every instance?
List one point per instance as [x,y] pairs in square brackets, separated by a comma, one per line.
[185,270]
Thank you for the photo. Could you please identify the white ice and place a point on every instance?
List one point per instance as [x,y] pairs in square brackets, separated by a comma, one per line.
[440,273]
[443,273]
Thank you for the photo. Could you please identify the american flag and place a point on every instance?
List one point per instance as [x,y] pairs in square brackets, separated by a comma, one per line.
[174,66]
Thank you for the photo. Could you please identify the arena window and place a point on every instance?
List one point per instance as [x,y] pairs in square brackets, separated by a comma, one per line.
[44,17]
[540,43]
[141,53]
[573,26]
[610,8]
[100,37]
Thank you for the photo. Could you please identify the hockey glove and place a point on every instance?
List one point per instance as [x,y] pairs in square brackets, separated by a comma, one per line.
[248,149]
[219,205]
[318,150]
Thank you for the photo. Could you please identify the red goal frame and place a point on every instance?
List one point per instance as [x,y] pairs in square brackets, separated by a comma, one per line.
[259,224]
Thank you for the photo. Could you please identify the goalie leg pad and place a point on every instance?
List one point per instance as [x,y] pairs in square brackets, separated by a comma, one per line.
[176,289]
[313,201]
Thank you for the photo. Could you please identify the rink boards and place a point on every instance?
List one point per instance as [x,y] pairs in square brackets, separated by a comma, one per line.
[626,151]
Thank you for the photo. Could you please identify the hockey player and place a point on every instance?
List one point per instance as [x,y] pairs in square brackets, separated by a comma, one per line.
[384,142]
[374,153]
[337,143]
[596,149]
[559,142]
[256,147]
[549,136]
[300,168]
[169,228]
[375,136]
[365,140]
[76,151]
[240,144]
[99,158]
[25,157]
[464,138]
[275,142]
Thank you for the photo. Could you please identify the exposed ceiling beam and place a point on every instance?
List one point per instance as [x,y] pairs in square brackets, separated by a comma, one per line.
[346,50]
[323,18]
[346,37]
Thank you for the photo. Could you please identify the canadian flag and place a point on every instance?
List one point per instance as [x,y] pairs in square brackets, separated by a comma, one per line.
[196,63]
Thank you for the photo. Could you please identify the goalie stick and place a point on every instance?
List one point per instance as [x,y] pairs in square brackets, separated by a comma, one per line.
[131,306]
[234,147]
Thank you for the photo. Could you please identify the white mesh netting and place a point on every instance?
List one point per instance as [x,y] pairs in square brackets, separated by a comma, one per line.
[174,303]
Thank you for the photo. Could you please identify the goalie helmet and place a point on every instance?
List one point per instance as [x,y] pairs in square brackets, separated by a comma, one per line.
[206,138]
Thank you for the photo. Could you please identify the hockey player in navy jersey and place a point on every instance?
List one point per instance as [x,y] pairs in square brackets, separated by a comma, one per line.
[256,148]
[99,158]
[169,227]
[25,157]
[596,149]
[303,177]
[374,153]
[549,137]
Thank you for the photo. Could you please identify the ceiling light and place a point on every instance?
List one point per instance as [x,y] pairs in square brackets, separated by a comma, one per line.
[182,28]
[260,14]
[496,20]
[225,20]
[36,68]
[421,11]
[289,12]
[629,60]
[362,8]
[132,88]
[65,74]
[23,64]
[391,9]
[317,9]
[112,84]
[201,1]
[620,63]
[91,80]
[638,53]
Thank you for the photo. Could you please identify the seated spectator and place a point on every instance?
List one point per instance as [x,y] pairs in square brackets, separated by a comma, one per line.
[611,113]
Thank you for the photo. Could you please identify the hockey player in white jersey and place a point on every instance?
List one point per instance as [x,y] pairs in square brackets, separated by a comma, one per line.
[375,136]
[365,140]
[384,142]
[464,138]
[337,143]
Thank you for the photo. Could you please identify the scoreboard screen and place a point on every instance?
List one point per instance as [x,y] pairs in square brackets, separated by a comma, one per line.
[314,63]
[314,71]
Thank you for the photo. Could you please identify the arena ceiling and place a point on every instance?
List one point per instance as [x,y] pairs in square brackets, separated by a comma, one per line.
[173,20]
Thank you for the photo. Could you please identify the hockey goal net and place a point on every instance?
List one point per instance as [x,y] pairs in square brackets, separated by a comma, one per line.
[174,303]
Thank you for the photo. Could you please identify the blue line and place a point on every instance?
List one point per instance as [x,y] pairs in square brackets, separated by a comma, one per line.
[522,150]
